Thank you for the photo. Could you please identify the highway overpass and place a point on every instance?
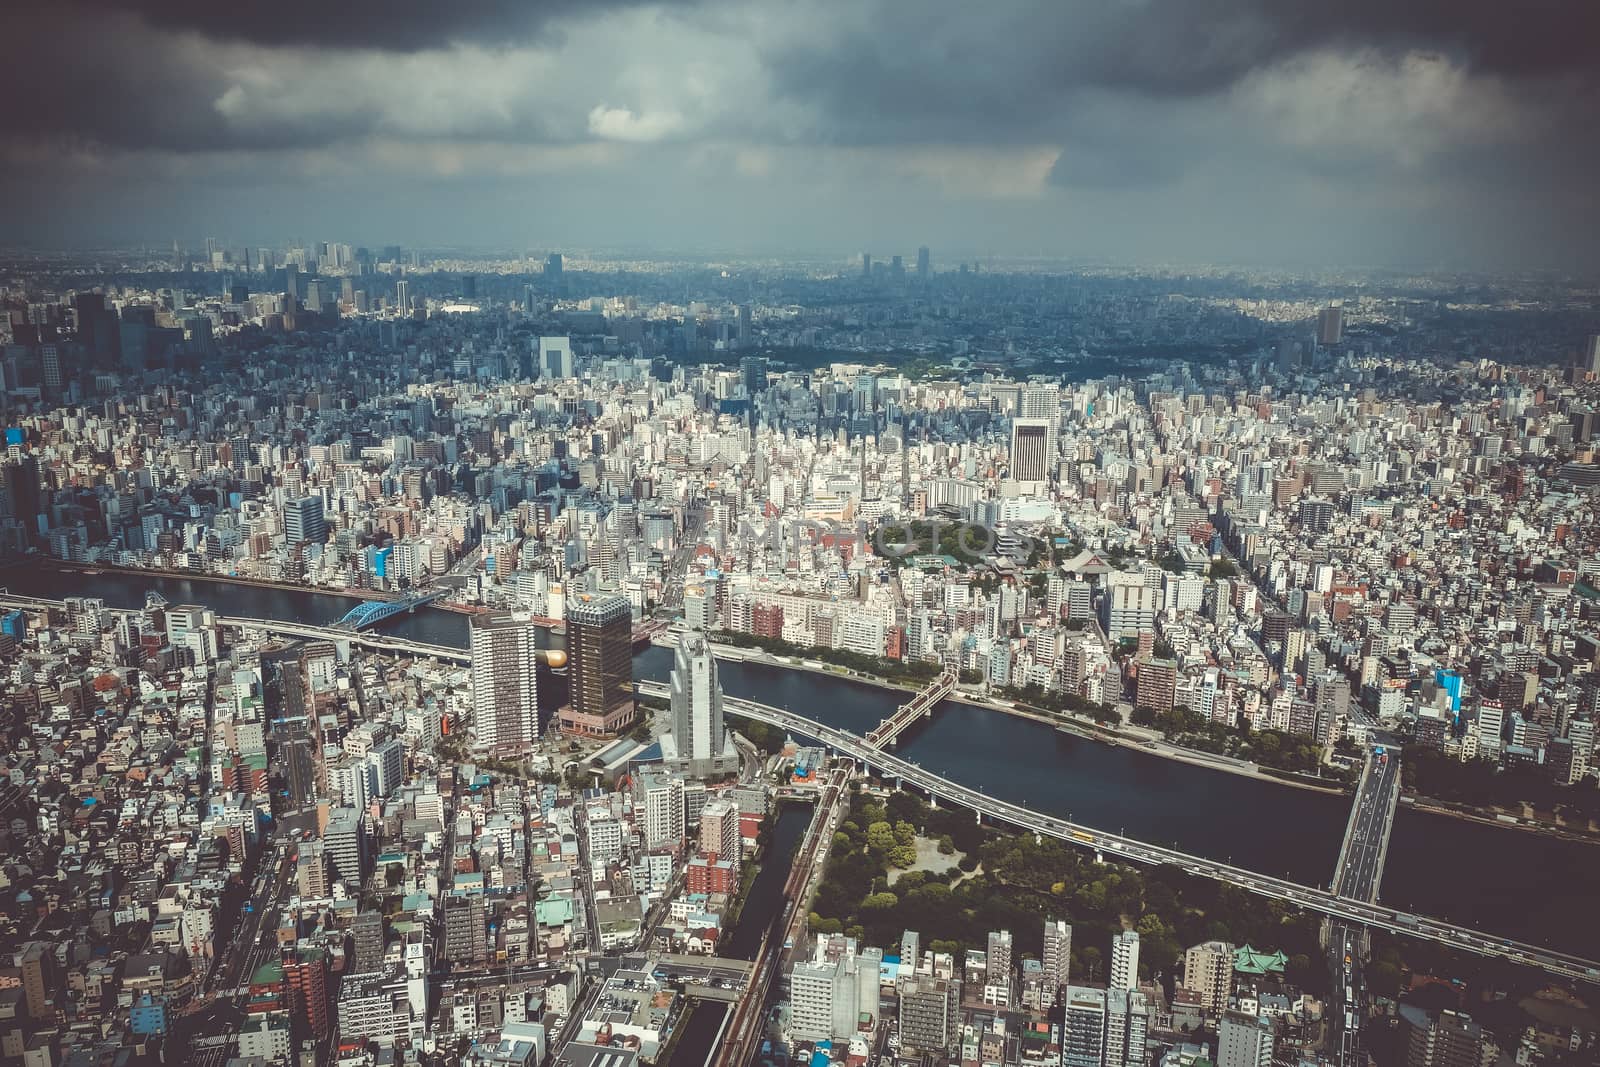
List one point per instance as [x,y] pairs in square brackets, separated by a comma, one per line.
[1135,851]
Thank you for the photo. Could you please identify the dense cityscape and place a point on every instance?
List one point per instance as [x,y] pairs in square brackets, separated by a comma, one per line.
[392,638]
[764,533]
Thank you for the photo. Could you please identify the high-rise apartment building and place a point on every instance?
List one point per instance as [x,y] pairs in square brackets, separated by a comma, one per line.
[1125,960]
[1057,962]
[1450,1039]
[505,705]
[930,1013]
[599,666]
[1083,1035]
[1208,973]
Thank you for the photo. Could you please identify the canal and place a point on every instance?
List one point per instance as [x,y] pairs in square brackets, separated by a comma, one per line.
[763,911]
[1504,881]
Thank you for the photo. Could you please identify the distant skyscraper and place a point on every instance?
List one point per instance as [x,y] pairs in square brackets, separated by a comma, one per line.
[402,297]
[555,357]
[746,326]
[897,267]
[1125,960]
[469,287]
[1591,354]
[753,369]
[866,264]
[303,521]
[924,262]
[505,704]
[697,724]
[599,666]
[1030,449]
[1330,325]
[554,272]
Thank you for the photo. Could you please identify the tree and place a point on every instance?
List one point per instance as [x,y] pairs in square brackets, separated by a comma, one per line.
[880,901]
[905,833]
[880,837]
[902,856]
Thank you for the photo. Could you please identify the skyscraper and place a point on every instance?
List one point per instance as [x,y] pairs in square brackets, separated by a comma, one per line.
[1125,960]
[866,264]
[555,357]
[402,297]
[303,521]
[1030,449]
[599,666]
[924,262]
[697,725]
[505,705]
[1330,325]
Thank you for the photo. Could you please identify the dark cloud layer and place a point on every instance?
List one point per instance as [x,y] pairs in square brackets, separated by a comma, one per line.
[399,25]
[1125,99]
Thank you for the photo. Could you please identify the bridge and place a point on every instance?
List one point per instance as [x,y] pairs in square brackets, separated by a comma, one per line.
[370,613]
[1133,850]
[884,734]
[1356,876]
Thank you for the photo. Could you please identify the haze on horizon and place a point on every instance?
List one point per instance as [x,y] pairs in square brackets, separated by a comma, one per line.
[1426,134]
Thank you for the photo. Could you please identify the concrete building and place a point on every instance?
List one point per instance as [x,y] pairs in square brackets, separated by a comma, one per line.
[599,667]
[505,667]
[1245,1041]
[1208,972]
[1125,960]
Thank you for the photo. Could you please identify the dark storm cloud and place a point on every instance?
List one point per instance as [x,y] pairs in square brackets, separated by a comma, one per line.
[961,72]
[391,25]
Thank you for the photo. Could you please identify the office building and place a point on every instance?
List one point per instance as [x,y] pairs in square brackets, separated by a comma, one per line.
[505,705]
[924,262]
[345,842]
[1244,1041]
[697,741]
[1125,960]
[555,357]
[1330,325]
[303,521]
[1031,440]
[1130,610]
[599,667]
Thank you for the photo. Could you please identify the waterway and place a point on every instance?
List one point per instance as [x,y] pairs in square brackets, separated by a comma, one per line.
[1504,881]
[763,911]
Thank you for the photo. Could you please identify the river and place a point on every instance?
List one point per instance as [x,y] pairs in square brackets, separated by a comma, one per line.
[1504,881]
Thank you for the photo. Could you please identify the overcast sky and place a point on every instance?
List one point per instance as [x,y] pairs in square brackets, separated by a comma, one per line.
[1449,133]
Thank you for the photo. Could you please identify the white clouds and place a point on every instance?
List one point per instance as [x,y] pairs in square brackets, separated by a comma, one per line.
[621,124]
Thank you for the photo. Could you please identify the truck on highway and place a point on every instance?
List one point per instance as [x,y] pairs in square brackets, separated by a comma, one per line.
[1081,836]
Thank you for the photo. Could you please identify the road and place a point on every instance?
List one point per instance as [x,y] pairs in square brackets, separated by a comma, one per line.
[1312,898]
[1361,863]
[1320,900]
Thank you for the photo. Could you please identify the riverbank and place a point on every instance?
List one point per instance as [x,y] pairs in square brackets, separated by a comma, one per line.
[1085,728]
[65,566]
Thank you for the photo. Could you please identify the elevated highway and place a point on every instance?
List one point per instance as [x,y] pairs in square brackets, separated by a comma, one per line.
[1132,850]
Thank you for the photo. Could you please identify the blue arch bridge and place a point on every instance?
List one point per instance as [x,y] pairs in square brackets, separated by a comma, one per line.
[371,612]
